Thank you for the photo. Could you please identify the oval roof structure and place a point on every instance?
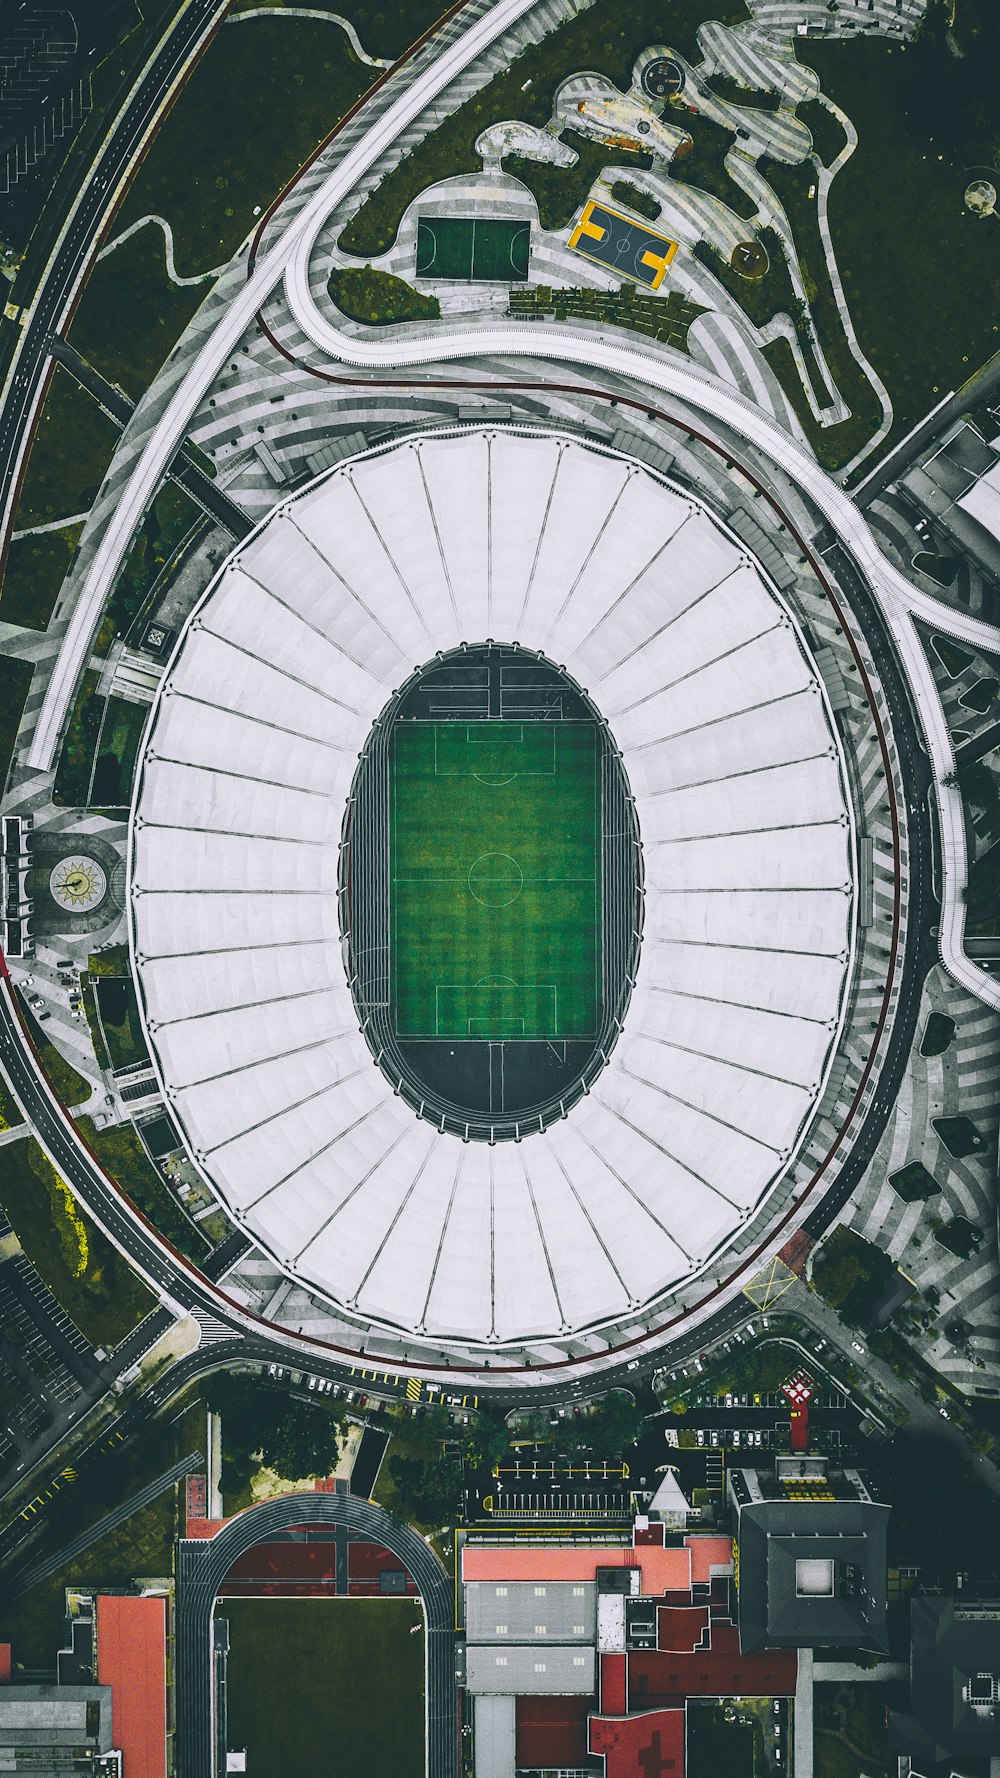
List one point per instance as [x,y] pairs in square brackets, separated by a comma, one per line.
[729,747]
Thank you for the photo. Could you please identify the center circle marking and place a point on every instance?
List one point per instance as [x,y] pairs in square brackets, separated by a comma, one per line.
[495,879]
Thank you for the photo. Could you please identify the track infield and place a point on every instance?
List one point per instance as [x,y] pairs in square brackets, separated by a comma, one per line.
[494,880]
[326,1688]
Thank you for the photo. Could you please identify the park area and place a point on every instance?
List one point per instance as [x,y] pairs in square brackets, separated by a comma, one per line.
[326,1688]
[495,893]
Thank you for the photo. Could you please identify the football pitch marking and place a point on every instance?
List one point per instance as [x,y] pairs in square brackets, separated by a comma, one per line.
[533,844]
[495,879]
[492,735]
[452,1018]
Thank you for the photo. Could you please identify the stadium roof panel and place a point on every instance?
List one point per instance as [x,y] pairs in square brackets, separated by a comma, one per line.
[729,747]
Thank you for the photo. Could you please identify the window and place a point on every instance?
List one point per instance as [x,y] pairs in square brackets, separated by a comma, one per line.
[540,1667]
[579,1630]
[539,1592]
[579,1660]
[579,1592]
[501,1629]
[501,1592]
[539,1629]
[501,1660]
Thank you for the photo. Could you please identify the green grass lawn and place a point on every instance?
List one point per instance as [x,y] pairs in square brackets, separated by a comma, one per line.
[33,575]
[10,1114]
[72,448]
[71,785]
[117,752]
[383,30]
[130,314]
[15,683]
[850,1735]
[72,1088]
[94,1284]
[922,275]
[716,1746]
[116,998]
[259,101]
[121,1151]
[494,838]
[326,1688]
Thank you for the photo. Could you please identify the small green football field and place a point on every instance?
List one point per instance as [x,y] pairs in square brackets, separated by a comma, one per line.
[494,879]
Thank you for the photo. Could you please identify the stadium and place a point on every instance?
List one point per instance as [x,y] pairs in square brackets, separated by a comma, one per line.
[495,893]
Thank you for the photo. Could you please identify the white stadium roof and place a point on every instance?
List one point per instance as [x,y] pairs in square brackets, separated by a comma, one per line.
[731,754]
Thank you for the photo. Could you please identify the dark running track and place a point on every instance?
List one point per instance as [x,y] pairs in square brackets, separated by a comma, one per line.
[202,1565]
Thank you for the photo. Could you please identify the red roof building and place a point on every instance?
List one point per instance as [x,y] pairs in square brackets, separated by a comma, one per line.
[660,1619]
[132,1660]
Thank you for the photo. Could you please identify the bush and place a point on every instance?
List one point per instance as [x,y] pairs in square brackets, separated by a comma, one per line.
[851,1274]
[913,1183]
[959,1135]
[959,1236]
[379,299]
[938,1035]
[642,202]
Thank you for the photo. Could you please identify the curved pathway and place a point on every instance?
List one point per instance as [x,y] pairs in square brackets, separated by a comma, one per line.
[202,1566]
[168,245]
[824,180]
[311,12]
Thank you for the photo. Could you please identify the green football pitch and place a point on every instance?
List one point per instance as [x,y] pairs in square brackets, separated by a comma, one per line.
[326,1688]
[467,250]
[494,880]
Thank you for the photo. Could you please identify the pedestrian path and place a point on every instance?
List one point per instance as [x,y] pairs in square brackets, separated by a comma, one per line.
[167,232]
[311,12]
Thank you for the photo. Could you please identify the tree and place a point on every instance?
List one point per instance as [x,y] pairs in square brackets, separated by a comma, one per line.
[426,1493]
[486,1440]
[306,1441]
[615,1423]
[421,1433]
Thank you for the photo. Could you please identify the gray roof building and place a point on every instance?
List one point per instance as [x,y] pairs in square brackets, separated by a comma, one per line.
[530,1613]
[45,1727]
[812,1559]
[520,1672]
[496,1735]
[954,1684]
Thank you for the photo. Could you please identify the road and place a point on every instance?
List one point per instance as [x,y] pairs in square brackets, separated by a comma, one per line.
[981,386]
[202,1565]
[21,1580]
[57,289]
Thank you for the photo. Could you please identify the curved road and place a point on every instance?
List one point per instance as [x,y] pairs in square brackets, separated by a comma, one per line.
[203,1564]
[61,280]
